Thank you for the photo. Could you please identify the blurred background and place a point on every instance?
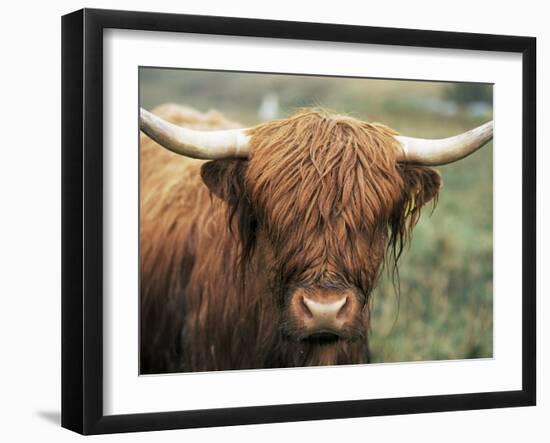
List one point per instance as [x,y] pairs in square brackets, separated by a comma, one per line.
[444,309]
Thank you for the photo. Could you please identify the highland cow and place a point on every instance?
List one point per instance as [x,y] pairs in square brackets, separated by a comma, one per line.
[265,254]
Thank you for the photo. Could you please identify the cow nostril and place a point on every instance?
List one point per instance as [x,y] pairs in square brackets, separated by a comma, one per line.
[305,307]
[344,308]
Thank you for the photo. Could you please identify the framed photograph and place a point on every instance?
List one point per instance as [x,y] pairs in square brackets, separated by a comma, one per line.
[269,221]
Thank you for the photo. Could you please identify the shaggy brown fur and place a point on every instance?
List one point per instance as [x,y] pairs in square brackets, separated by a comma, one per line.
[317,205]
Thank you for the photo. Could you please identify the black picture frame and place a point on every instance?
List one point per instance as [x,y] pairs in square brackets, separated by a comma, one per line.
[82,220]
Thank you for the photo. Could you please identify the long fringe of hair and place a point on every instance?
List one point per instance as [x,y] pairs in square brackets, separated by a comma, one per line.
[332,168]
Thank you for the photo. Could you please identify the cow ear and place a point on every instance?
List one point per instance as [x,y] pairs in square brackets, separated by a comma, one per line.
[421,185]
[226,179]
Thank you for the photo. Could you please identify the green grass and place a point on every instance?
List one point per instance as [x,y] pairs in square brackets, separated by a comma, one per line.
[444,310]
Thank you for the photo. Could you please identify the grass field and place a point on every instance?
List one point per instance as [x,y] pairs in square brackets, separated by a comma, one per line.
[444,309]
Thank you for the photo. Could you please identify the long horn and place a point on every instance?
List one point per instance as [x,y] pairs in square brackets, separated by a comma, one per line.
[446,150]
[207,145]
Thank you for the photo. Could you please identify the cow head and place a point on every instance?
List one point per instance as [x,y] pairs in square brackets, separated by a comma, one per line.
[319,201]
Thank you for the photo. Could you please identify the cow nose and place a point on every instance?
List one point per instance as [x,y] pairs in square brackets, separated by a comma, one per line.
[324,310]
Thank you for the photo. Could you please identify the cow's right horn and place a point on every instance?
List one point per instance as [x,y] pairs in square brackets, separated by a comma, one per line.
[207,145]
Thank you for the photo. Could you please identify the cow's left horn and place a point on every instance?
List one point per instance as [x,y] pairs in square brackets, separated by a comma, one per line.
[446,150]
[207,145]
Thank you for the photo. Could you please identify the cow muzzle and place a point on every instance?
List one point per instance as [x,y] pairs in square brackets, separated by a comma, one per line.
[324,314]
